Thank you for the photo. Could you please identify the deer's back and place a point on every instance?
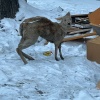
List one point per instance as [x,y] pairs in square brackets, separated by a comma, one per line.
[43,27]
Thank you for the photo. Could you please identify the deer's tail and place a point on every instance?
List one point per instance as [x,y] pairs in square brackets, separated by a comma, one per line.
[21,30]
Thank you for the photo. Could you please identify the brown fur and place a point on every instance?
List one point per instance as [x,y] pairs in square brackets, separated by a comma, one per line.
[32,28]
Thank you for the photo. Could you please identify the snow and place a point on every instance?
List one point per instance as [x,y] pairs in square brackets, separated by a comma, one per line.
[75,78]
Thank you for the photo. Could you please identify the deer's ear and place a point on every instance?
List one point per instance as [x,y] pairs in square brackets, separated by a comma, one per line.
[68,13]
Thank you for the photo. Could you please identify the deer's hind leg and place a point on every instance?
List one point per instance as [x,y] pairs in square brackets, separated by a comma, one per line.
[27,56]
[25,43]
[21,55]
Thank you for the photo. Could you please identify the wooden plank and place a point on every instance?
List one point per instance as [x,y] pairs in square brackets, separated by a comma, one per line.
[80,15]
[79,37]
[96,28]
[79,31]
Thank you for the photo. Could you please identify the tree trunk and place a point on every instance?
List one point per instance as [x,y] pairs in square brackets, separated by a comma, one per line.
[8,8]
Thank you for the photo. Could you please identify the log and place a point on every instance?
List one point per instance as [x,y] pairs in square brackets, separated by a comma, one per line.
[79,37]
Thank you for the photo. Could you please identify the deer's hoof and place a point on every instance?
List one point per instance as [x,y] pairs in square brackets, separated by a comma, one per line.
[25,62]
[62,58]
[56,59]
[31,58]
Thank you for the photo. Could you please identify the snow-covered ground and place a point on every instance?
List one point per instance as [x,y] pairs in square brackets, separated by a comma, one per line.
[75,78]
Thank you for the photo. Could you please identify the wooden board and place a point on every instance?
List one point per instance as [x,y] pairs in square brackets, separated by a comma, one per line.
[75,30]
[96,28]
[79,37]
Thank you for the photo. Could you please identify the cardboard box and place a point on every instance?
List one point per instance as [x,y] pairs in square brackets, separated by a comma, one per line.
[93,49]
[94,17]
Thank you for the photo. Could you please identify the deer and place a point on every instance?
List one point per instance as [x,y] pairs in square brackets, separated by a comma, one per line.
[32,28]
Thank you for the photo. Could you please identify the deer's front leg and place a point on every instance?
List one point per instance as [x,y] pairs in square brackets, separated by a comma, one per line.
[56,50]
[60,52]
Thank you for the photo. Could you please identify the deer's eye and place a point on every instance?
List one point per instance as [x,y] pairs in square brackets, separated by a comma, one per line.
[68,23]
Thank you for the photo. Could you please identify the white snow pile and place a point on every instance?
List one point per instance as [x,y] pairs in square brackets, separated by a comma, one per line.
[75,78]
